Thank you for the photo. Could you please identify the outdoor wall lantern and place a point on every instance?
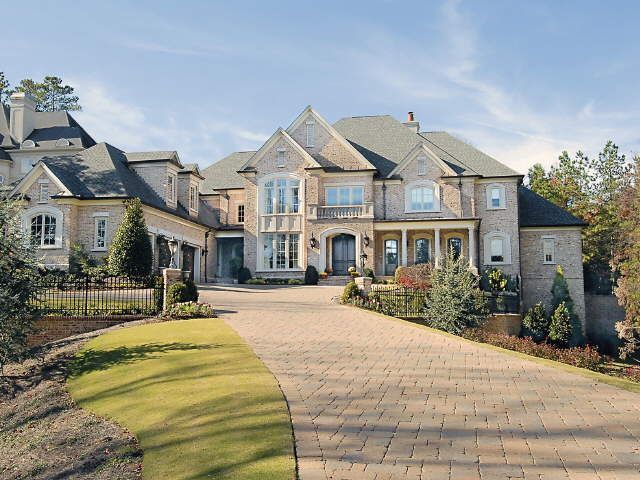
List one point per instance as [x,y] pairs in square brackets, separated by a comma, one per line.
[173,248]
[365,240]
[363,259]
[313,241]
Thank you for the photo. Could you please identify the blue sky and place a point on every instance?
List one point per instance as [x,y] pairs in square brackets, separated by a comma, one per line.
[519,80]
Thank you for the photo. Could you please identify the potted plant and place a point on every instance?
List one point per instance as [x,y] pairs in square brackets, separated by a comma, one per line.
[324,275]
[328,270]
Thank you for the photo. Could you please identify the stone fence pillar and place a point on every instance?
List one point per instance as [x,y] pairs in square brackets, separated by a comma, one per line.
[169,277]
[364,284]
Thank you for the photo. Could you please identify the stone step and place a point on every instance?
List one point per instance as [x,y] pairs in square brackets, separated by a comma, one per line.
[335,280]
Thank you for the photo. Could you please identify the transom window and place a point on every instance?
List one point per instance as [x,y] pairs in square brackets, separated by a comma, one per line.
[422,250]
[281,195]
[549,250]
[495,197]
[240,213]
[281,251]
[344,195]
[100,234]
[310,133]
[43,230]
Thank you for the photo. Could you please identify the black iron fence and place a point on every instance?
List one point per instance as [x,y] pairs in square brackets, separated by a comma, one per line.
[398,301]
[71,295]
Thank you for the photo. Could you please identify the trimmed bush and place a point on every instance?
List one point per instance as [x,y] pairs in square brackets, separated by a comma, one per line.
[191,291]
[311,275]
[369,273]
[416,276]
[560,292]
[536,323]
[130,252]
[560,325]
[244,274]
[190,310]
[176,293]
[256,281]
[455,301]
[295,281]
[350,291]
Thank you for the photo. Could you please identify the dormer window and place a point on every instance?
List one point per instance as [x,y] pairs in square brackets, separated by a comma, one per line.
[28,144]
[62,142]
[193,198]
[422,165]
[282,158]
[171,188]
[310,133]
[496,197]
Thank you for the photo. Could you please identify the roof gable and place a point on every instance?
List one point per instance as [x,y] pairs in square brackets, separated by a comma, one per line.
[36,172]
[223,174]
[266,147]
[418,150]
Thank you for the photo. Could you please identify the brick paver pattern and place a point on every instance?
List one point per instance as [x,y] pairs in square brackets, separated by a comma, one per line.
[374,398]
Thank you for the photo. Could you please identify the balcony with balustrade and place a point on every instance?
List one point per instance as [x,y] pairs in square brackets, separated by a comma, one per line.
[329,212]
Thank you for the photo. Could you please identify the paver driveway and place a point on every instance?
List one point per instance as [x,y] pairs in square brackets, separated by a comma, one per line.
[375,398]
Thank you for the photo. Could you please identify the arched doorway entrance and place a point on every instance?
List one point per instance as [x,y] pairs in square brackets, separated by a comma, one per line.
[343,253]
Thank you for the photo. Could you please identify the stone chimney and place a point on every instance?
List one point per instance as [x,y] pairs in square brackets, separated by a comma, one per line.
[23,115]
[411,123]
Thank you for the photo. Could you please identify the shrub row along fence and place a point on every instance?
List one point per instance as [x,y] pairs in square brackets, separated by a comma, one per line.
[403,302]
[86,296]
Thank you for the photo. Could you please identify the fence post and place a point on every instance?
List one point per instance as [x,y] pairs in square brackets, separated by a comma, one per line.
[169,277]
[86,295]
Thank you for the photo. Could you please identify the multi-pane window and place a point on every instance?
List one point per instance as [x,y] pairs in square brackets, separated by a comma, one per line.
[344,196]
[497,249]
[193,198]
[422,166]
[240,213]
[280,251]
[282,195]
[282,158]
[454,245]
[100,234]
[422,250]
[310,134]
[171,188]
[495,196]
[423,199]
[549,250]
[43,195]
[43,230]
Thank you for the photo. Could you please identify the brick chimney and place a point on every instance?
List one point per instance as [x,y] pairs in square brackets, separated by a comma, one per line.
[23,115]
[411,123]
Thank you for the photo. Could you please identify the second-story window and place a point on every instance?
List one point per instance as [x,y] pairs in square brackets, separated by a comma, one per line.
[43,194]
[310,133]
[281,195]
[282,158]
[343,196]
[193,198]
[422,165]
[240,213]
[496,197]
[423,196]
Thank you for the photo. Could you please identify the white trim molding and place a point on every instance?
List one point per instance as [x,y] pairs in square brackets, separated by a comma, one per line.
[30,213]
[502,196]
[506,246]
[330,232]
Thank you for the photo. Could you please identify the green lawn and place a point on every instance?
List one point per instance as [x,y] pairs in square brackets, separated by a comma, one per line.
[199,401]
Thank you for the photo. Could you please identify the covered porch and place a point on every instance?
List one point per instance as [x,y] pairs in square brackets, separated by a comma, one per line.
[409,242]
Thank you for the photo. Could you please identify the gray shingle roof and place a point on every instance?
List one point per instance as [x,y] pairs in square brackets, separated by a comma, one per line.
[102,172]
[385,142]
[154,156]
[536,211]
[223,174]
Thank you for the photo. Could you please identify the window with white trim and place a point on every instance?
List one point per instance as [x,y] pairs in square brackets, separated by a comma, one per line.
[43,194]
[548,250]
[281,195]
[240,213]
[343,196]
[193,198]
[100,233]
[422,165]
[422,250]
[496,197]
[282,158]
[310,133]
[43,230]
[497,249]
[171,188]
[281,251]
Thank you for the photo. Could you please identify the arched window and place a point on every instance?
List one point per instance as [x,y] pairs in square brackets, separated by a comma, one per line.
[497,248]
[422,250]
[422,197]
[28,144]
[62,142]
[43,230]
[281,195]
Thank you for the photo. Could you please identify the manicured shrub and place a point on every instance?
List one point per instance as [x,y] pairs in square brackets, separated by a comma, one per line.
[497,280]
[584,357]
[191,291]
[295,281]
[311,275]
[244,274]
[350,291]
[455,301]
[130,252]
[190,310]
[560,325]
[560,292]
[536,323]
[256,281]
[177,293]
[416,276]
[369,273]
[398,274]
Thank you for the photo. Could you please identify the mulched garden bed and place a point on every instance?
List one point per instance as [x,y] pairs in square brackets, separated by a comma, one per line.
[45,435]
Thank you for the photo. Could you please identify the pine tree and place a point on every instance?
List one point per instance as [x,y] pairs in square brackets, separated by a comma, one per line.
[560,292]
[560,328]
[130,253]
[455,301]
[18,274]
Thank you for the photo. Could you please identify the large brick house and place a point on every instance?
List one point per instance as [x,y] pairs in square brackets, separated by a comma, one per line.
[365,192]
[374,192]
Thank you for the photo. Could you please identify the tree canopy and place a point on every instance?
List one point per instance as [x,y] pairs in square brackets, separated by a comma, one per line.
[51,93]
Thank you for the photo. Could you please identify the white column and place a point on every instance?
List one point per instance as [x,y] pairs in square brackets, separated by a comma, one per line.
[436,234]
[472,247]
[403,247]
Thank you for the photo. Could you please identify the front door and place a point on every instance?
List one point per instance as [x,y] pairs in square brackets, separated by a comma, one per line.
[343,256]
[390,256]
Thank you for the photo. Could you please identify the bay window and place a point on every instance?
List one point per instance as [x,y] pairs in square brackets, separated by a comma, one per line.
[281,251]
[344,196]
